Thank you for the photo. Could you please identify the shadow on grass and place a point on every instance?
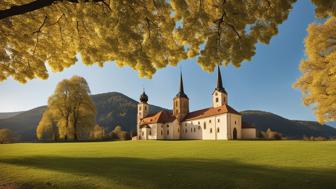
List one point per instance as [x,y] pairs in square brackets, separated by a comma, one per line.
[179,173]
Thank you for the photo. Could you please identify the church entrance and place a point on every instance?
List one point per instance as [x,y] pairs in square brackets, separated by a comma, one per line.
[234,134]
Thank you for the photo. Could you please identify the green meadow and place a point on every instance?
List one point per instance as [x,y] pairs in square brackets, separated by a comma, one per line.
[169,164]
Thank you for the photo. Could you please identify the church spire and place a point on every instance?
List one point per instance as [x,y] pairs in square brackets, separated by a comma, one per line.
[220,87]
[181,91]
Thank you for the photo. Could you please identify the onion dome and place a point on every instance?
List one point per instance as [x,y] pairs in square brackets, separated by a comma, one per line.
[143,97]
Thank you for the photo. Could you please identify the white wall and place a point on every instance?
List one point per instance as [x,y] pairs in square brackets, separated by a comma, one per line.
[249,133]
[234,121]
[210,128]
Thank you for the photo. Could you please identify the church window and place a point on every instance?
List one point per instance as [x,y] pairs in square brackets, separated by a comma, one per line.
[142,133]
[150,132]
[210,130]
[194,129]
[235,122]
[199,127]
[167,132]
[209,120]
[199,123]
[167,125]
[217,130]
[140,108]
[218,120]
[161,133]
[139,113]
[186,130]
[178,130]
[145,108]
[204,125]
[216,99]
[190,129]
[185,124]
[216,93]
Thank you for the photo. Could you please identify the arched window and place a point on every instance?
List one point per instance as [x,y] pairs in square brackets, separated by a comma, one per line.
[140,108]
[216,99]
[217,130]
[210,130]
[194,129]
[186,130]
[150,132]
[209,120]
[161,133]
[167,132]
[204,125]
[218,120]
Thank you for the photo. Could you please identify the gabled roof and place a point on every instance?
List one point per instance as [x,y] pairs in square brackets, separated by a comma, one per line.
[210,112]
[163,116]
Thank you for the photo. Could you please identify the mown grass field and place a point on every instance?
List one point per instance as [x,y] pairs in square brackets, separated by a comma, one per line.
[169,164]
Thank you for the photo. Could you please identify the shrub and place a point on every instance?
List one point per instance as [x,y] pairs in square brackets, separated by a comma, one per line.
[5,136]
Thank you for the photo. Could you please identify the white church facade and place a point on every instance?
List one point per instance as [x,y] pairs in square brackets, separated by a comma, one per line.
[219,122]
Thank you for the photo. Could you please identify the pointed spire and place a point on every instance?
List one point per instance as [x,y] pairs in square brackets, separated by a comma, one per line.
[181,91]
[219,87]
[181,83]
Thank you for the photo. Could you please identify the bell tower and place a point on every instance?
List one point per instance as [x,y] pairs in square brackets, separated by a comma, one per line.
[143,110]
[219,96]
[180,103]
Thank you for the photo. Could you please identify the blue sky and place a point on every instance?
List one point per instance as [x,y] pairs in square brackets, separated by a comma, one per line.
[265,83]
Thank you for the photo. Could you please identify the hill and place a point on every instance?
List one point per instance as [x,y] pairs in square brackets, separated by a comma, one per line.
[112,109]
[290,128]
[118,109]
[5,115]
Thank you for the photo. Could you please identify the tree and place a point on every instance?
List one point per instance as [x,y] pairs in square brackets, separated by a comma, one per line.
[71,109]
[5,136]
[318,82]
[119,134]
[146,35]
[46,129]
[271,135]
[98,132]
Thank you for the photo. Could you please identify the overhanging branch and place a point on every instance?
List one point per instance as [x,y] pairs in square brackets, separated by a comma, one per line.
[36,5]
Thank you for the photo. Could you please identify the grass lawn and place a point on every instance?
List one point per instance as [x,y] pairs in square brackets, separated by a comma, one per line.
[170,164]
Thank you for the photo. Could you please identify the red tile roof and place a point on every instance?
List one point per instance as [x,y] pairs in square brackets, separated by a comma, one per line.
[163,116]
[210,112]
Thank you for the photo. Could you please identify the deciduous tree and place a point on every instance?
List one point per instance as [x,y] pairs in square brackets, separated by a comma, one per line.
[5,136]
[146,34]
[71,109]
[318,82]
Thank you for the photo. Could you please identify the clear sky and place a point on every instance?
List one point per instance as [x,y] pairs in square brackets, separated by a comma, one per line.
[265,83]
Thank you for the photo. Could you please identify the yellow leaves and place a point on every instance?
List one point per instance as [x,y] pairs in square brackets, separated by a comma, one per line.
[143,36]
[318,82]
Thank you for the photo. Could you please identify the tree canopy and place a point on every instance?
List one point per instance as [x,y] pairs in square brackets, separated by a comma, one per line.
[318,82]
[71,113]
[146,35]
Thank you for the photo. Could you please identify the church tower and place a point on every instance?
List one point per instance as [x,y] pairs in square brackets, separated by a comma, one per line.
[181,103]
[143,110]
[219,96]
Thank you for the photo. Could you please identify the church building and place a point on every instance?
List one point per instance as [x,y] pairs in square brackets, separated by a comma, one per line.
[219,122]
